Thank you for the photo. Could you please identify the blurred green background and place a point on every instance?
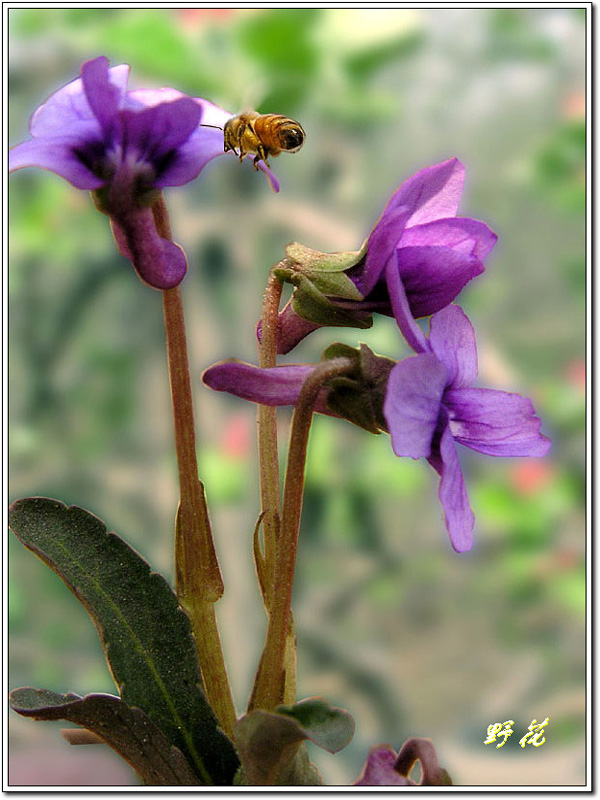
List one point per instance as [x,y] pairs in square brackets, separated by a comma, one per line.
[408,636]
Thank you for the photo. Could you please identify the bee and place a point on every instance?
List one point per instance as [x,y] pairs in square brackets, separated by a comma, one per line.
[263,134]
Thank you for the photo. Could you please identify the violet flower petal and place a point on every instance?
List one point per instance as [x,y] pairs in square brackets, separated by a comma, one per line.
[69,105]
[460,519]
[159,263]
[401,308]
[275,386]
[379,769]
[57,155]
[495,423]
[432,193]
[380,246]
[466,235]
[452,340]
[434,276]
[103,97]
[412,404]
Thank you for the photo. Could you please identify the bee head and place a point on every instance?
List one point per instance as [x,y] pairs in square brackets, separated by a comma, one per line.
[291,137]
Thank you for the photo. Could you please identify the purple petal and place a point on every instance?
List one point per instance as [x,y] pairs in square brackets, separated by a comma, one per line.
[382,242]
[412,404]
[468,236]
[276,386]
[433,276]
[452,339]
[291,329]
[432,193]
[69,105]
[453,492]
[401,308]
[379,769]
[56,154]
[103,97]
[494,422]
[159,263]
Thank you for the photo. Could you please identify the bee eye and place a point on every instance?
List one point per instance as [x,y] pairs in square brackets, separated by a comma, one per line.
[292,138]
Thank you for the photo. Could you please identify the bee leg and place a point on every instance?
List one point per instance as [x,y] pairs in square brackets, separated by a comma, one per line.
[261,155]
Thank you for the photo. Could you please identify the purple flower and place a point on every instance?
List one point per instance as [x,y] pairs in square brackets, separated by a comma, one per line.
[416,260]
[428,404]
[125,146]
[379,769]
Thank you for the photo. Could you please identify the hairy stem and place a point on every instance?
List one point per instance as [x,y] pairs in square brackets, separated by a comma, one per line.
[269,683]
[198,577]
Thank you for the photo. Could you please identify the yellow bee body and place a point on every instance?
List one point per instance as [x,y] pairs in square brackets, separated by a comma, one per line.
[263,134]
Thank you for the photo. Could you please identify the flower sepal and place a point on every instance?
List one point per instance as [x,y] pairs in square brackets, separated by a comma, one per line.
[310,301]
[359,397]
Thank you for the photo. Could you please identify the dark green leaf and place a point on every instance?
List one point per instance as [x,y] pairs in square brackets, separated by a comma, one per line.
[271,747]
[327,726]
[145,635]
[127,730]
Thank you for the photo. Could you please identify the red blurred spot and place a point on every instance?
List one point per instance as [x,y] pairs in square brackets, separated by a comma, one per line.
[531,477]
[236,438]
[575,374]
[573,106]
[199,17]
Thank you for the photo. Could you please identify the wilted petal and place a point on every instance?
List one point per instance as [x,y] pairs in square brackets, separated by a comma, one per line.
[453,492]
[494,422]
[412,404]
[452,339]
[434,276]
[276,386]
[466,235]
[379,769]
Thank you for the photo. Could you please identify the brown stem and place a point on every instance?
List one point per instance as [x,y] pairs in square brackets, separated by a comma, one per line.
[267,441]
[269,682]
[198,577]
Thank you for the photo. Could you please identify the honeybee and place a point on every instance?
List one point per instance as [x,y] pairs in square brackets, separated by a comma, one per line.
[263,134]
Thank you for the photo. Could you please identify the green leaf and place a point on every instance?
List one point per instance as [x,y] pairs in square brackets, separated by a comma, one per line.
[271,744]
[127,730]
[327,726]
[146,637]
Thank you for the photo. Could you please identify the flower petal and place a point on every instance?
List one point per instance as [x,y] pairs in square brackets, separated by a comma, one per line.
[466,235]
[381,244]
[432,193]
[291,329]
[159,263]
[276,386]
[69,105]
[453,492]
[494,422]
[412,404]
[379,769]
[401,308]
[103,97]
[452,339]
[434,276]
[56,154]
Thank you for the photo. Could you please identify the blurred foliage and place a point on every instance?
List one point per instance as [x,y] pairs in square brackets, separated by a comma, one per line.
[409,637]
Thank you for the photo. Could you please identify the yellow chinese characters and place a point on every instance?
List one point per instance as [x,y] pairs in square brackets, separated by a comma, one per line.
[498,729]
[536,729]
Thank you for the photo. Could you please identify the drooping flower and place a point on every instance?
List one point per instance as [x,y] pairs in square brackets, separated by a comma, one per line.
[426,402]
[416,260]
[125,146]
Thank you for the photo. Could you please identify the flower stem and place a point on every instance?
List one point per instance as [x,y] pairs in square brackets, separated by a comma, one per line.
[198,577]
[269,683]
[267,443]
